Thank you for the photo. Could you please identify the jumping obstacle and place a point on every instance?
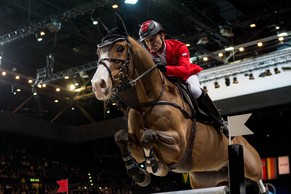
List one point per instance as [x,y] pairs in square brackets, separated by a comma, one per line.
[236,169]
[211,190]
[236,176]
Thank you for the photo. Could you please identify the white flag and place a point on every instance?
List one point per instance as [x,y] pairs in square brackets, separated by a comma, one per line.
[236,125]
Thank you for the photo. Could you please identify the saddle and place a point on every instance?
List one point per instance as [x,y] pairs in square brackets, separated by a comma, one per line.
[197,112]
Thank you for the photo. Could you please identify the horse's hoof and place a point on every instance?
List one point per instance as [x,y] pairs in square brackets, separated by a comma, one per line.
[146,181]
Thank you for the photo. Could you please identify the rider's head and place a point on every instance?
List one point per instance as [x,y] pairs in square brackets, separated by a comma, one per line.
[152,34]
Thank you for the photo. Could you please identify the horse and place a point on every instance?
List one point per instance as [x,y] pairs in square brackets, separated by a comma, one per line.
[163,132]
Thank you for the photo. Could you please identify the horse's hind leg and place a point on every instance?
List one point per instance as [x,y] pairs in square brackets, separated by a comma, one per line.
[209,178]
[262,187]
[139,175]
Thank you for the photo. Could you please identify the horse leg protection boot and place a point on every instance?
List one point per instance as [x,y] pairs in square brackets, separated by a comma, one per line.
[207,105]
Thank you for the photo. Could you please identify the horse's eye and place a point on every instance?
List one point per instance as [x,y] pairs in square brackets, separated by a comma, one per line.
[120,49]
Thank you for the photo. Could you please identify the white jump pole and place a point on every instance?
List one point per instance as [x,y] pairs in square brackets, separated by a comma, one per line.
[211,190]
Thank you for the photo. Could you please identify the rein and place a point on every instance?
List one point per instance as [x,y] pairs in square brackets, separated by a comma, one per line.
[125,88]
[133,82]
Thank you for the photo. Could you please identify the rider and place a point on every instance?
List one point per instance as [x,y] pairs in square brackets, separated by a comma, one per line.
[172,58]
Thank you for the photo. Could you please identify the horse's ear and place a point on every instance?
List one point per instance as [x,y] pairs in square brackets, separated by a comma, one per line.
[120,25]
[102,28]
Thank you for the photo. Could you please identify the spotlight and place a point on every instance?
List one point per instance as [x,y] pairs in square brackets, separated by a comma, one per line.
[227,82]
[39,35]
[286,68]
[205,89]
[276,70]
[251,77]
[235,80]
[216,85]
[94,17]
[114,6]
[226,31]
[131,1]
[268,72]
[95,22]
[263,74]
[203,40]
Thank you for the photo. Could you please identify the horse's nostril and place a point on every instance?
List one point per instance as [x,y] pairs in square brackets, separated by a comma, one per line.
[102,84]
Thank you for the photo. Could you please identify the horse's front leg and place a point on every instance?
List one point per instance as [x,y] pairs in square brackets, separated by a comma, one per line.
[139,175]
[152,165]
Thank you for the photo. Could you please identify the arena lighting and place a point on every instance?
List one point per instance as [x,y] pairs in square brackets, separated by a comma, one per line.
[286,68]
[114,6]
[267,72]
[234,80]
[231,48]
[226,31]
[259,44]
[241,49]
[94,17]
[40,35]
[131,1]
[279,59]
[205,89]
[32,28]
[282,34]
[95,22]
[276,70]
[227,82]
[251,76]
[216,84]
[203,40]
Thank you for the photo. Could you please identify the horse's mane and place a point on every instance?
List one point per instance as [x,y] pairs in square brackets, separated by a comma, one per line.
[140,50]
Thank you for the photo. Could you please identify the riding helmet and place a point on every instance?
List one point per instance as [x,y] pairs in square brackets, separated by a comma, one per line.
[149,28]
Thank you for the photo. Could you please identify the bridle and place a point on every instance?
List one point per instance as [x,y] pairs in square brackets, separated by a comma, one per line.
[122,76]
[123,84]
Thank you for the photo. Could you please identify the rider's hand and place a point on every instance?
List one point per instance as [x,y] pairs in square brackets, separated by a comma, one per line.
[157,60]
[162,67]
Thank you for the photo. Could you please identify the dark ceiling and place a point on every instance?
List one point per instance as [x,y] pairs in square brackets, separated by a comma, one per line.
[73,45]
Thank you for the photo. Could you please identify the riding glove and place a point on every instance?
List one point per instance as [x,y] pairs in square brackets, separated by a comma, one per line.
[162,67]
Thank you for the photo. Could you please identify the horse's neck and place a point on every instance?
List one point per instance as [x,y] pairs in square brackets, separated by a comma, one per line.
[150,85]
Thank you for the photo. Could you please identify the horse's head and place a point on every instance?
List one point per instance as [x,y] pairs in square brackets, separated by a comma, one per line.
[114,55]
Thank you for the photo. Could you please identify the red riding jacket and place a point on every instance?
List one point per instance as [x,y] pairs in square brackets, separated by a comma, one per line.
[178,60]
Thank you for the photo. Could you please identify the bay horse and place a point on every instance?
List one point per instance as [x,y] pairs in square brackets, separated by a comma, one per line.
[162,130]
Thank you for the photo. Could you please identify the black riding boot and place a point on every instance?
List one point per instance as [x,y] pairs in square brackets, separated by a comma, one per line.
[207,105]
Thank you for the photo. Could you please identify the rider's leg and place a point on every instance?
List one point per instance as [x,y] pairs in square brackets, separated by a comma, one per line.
[206,104]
